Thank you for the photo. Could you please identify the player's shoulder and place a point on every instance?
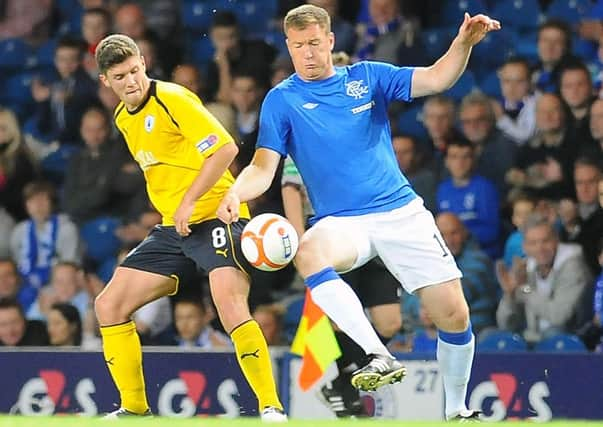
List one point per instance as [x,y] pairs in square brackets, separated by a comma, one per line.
[118,111]
[173,92]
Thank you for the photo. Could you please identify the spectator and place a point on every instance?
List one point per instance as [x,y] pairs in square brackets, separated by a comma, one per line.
[598,298]
[545,163]
[471,197]
[596,128]
[479,285]
[516,114]
[246,95]
[584,223]
[102,178]
[544,295]
[7,223]
[27,19]
[16,165]
[64,325]
[15,330]
[233,54]
[410,160]
[188,75]
[45,238]
[425,340]
[390,36]
[522,206]
[576,89]
[148,50]
[65,287]
[281,69]
[270,319]
[130,19]
[193,329]
[13,286]
[345,34]
[60,103]
[153,319]
[495,153]
[96,24]
[554,47]
[439,113]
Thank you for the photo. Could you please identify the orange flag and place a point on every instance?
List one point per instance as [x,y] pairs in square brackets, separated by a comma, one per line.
[315,341]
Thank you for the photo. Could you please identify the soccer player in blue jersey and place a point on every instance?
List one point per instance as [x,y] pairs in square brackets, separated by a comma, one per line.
[333,122]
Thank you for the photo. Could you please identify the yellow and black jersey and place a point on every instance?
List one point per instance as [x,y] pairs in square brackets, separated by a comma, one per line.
[170,135]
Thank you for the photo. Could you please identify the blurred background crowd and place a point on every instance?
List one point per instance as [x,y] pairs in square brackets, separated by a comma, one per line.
[509,159]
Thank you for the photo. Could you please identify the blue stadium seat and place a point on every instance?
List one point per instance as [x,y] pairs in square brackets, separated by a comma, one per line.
[100,239]
[571,11]
[201,50]
[45,54]
[436,41]
[17,88]
[15,54]
[197,15]
[255,16]
[452,11]
[523,15]
[276,38]
[490,85]
[462,87]
[561,343]
[501,341]
[527,46]
[411,122]
[494,49]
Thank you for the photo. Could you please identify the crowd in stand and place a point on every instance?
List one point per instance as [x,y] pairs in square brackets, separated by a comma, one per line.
[510,160]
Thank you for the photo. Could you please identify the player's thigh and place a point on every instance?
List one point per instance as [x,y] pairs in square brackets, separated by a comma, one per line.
[229,290]
[412,248]
[216,248]
[446,305]
[338,242]
[151,270]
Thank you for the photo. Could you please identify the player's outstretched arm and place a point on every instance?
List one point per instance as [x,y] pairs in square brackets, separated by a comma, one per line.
[447,70]
[252,182]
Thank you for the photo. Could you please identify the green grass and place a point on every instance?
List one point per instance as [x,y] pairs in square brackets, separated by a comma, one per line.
[74,421]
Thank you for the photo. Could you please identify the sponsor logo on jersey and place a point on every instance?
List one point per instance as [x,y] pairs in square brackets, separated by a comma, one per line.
[149,123]
[310,105]
[207,143]
[363,107]
[356,89]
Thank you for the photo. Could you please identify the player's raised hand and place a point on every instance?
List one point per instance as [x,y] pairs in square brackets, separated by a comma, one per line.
[228,211]
[474,28]
[181,217]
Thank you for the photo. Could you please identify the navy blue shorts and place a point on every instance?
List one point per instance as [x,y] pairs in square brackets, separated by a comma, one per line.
[211,244]
[374,284]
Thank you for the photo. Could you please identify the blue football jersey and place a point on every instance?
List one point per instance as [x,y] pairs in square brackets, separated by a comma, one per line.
[337,132]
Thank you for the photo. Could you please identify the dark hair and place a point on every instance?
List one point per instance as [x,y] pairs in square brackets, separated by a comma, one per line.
[224,19]
[575,65]
[72,43]
[9,302]
[39,187]
[104,13]
[585,160]
[7,260]
[197,302]
[518,60]
[459,142]
[72,316]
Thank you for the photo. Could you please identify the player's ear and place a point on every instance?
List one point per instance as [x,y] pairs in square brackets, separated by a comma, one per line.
[144,64]
[332,40]
[104,80]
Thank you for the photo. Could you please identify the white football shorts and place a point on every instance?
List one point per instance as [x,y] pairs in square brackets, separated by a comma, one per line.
[407,240]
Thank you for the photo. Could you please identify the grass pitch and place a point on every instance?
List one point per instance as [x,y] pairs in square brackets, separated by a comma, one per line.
[75,421]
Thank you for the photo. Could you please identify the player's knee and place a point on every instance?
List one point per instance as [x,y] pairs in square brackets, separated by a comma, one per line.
[459,318]
[308,254]
[390,328]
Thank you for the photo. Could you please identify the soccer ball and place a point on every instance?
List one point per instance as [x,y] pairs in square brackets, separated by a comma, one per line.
[269,242]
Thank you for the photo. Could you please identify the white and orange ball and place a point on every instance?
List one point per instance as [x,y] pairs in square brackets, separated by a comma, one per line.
[269,242]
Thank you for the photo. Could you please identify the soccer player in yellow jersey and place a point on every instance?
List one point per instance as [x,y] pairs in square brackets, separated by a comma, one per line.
[184,153]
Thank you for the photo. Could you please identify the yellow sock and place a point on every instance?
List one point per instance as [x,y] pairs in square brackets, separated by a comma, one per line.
[254,359]
[123,355]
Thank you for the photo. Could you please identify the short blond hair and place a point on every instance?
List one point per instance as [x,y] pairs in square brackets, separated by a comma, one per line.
[303,16]
[113,50]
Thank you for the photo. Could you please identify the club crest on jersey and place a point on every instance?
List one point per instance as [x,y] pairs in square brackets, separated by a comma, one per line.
[207,143]
[356,89]
[149,122]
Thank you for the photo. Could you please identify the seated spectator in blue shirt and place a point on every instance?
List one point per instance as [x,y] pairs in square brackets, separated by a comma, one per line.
[522,206]
[598,300]
[473,198]
[479,284]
